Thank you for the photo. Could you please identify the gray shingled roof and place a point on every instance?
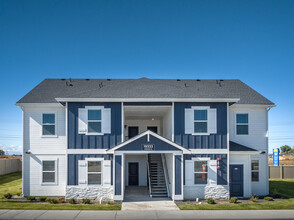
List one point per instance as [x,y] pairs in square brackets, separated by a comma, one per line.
[239,147]
[49,89]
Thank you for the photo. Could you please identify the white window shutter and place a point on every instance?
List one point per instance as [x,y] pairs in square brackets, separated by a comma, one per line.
[83,120]
[106,121]
[212,121]
[212,172]
[189,172]
[82,172]
[106,172]
[189,121]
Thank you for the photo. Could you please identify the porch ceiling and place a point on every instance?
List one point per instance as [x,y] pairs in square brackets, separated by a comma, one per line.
[146,111]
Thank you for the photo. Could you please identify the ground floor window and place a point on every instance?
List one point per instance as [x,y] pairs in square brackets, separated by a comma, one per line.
[200,172]
[48,171]
[94,173]
[254,170]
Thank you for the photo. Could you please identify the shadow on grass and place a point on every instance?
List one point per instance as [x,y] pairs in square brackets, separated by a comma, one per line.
[283,187]
[10,177]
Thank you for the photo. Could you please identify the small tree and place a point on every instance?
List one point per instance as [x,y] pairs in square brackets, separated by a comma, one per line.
[285,148]
[2,153]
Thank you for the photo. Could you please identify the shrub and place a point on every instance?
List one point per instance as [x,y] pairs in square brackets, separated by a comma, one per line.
[210,201]
[31,198]
[276,193]
[52,200]
[233,200]
[253,198]
[61,200]
[268,198]
[72,201]
[86,201]
[18,193]
[42,198]
[7,196]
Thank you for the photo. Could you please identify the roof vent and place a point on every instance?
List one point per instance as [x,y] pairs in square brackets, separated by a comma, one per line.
[87,79]
[198,80]
[108,79]
[221,80]
[178,80]
[62,79]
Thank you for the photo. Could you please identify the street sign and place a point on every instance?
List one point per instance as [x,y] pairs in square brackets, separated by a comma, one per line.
[276,157]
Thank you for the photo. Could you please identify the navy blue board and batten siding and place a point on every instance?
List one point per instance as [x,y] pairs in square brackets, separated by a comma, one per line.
[212,141]
[82,141]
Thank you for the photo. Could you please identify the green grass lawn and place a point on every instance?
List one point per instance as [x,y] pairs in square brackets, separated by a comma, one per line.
[284,187]
[11,183]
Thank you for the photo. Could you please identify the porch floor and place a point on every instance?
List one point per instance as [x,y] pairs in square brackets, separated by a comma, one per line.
[137,198]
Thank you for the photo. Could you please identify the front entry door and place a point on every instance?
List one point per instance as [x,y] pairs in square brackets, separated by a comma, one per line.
[133,174]
[236,181]
[133,131]
[152,128]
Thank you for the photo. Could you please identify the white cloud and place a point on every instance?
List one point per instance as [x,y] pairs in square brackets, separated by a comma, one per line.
[12,149]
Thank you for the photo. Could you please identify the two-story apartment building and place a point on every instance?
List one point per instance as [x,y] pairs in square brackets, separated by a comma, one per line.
[183,139]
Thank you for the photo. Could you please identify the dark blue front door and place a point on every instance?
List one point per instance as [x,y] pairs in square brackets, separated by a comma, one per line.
[236,180]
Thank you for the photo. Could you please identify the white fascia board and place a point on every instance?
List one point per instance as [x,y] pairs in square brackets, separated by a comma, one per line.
[244,152]
[45,152]
[86,151]
[39,104]
[209,151]
[251,106]
[147,99]
[185,151]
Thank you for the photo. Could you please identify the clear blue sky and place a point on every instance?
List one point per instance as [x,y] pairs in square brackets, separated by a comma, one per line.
[249,40]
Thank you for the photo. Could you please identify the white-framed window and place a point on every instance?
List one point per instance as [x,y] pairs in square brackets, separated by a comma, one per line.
[94,172]
[242,125]
[200,172]
[200,121]
[48,124]
[48,171]
[94,121]
[255,170]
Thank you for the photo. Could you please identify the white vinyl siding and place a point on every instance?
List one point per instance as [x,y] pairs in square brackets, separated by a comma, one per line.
[257,127]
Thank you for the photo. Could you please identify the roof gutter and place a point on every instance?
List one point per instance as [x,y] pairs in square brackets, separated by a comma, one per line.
[147,99]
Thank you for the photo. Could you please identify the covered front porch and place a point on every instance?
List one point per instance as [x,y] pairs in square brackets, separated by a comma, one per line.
[151,163]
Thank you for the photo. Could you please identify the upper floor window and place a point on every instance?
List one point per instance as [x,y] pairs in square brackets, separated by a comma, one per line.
[94,121]
[200,172]
[48,171]
[200,121]
[48,124]
[254,170]
[242,127]
[94,173]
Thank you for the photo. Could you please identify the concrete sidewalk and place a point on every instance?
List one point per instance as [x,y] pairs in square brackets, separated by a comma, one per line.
[130,215]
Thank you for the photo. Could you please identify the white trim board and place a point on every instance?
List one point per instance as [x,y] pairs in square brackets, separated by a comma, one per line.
[186,151]
[60,99]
